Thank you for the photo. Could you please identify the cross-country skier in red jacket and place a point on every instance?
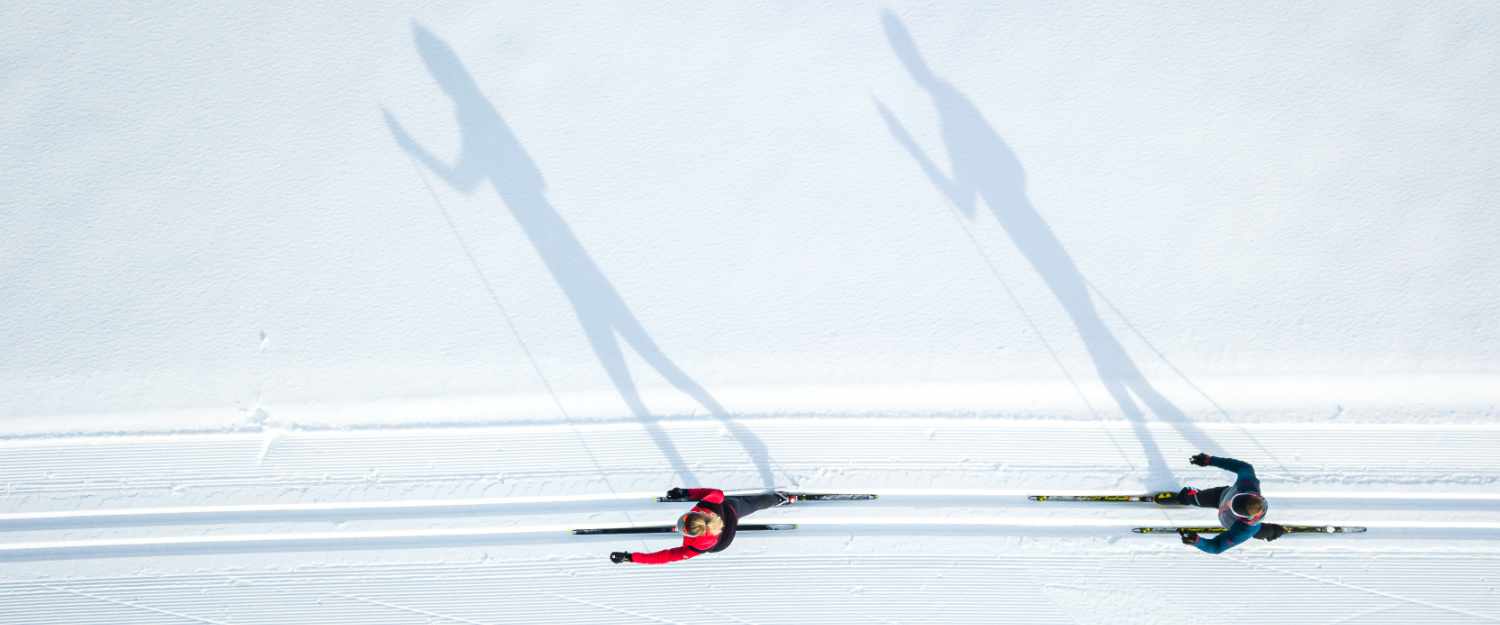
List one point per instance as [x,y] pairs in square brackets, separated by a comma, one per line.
[709,526]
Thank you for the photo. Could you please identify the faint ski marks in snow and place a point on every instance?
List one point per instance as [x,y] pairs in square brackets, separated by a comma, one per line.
[594,604]
[914,588]
[1112,606]
[724,616]
[270,433]
[393,606]
[1360,616]
[1388,595]
[134,604]
[258,418]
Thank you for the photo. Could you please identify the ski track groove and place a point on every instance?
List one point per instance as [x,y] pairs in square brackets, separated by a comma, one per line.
[101,503]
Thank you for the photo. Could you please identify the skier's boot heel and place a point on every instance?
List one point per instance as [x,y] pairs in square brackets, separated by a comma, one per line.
[1184,497]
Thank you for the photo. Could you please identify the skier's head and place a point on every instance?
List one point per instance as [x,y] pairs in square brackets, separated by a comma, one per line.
[906,49]
[1249,507]
[700,523]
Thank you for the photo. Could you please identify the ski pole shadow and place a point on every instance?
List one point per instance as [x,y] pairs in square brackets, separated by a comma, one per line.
[986,169]
[491,152]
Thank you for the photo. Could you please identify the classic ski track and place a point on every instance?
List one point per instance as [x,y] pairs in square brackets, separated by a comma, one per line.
[353,510]
[810,522]
[508,494]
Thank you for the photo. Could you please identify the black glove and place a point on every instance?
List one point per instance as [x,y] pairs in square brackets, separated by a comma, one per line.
[1188,538]
[1201,459]
[619,556]
[1269,531]
[677,493]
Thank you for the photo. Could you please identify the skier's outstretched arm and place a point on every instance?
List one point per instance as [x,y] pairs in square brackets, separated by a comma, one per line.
[711,495]
[665,556]
[1225,541]
[1239,467]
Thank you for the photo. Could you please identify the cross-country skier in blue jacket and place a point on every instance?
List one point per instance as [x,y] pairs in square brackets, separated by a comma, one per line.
[1241,507]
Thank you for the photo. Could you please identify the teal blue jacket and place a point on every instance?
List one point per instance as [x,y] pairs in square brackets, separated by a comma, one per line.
[1238,530]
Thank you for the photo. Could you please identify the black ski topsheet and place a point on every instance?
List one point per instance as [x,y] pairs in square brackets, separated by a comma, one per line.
[1096,498]
[668,529]
[1290,529]
[800,497]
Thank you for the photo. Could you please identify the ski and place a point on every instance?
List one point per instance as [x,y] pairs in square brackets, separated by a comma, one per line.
[799,496]
[1105,498]
[1290,529]
[668,529]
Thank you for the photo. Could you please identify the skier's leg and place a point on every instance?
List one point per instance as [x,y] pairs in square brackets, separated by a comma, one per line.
[1202,498]
[747,504]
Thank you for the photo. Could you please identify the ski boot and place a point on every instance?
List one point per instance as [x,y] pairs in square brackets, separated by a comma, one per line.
[1185,497]
[787,499]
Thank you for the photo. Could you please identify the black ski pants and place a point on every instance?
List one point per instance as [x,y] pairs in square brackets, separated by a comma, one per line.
[1208,498]
[744,505]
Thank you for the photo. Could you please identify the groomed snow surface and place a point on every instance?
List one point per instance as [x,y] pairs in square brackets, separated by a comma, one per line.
[336,313]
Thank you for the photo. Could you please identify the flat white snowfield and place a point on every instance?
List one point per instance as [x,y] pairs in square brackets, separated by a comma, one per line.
[341,314]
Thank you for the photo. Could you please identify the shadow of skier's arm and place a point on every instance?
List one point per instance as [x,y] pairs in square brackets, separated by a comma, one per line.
[953,189]
[462,175]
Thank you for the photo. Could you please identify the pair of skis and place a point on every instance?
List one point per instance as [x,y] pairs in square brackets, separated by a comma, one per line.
[1151,499]
[743,527]
[1169,498]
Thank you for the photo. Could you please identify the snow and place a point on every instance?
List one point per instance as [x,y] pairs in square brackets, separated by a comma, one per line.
[343,313]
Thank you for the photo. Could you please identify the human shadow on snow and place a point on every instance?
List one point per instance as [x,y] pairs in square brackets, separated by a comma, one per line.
[985,168]
[491,152]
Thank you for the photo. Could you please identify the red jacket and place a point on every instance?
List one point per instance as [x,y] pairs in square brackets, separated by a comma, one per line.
[710,501]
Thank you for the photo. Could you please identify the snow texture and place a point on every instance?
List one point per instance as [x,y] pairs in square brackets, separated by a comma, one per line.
[345,313]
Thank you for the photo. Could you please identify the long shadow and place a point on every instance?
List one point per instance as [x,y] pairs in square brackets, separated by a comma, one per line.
[491,152]
[985,168]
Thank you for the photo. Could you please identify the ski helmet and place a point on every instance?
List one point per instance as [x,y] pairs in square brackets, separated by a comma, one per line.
[1248,507]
